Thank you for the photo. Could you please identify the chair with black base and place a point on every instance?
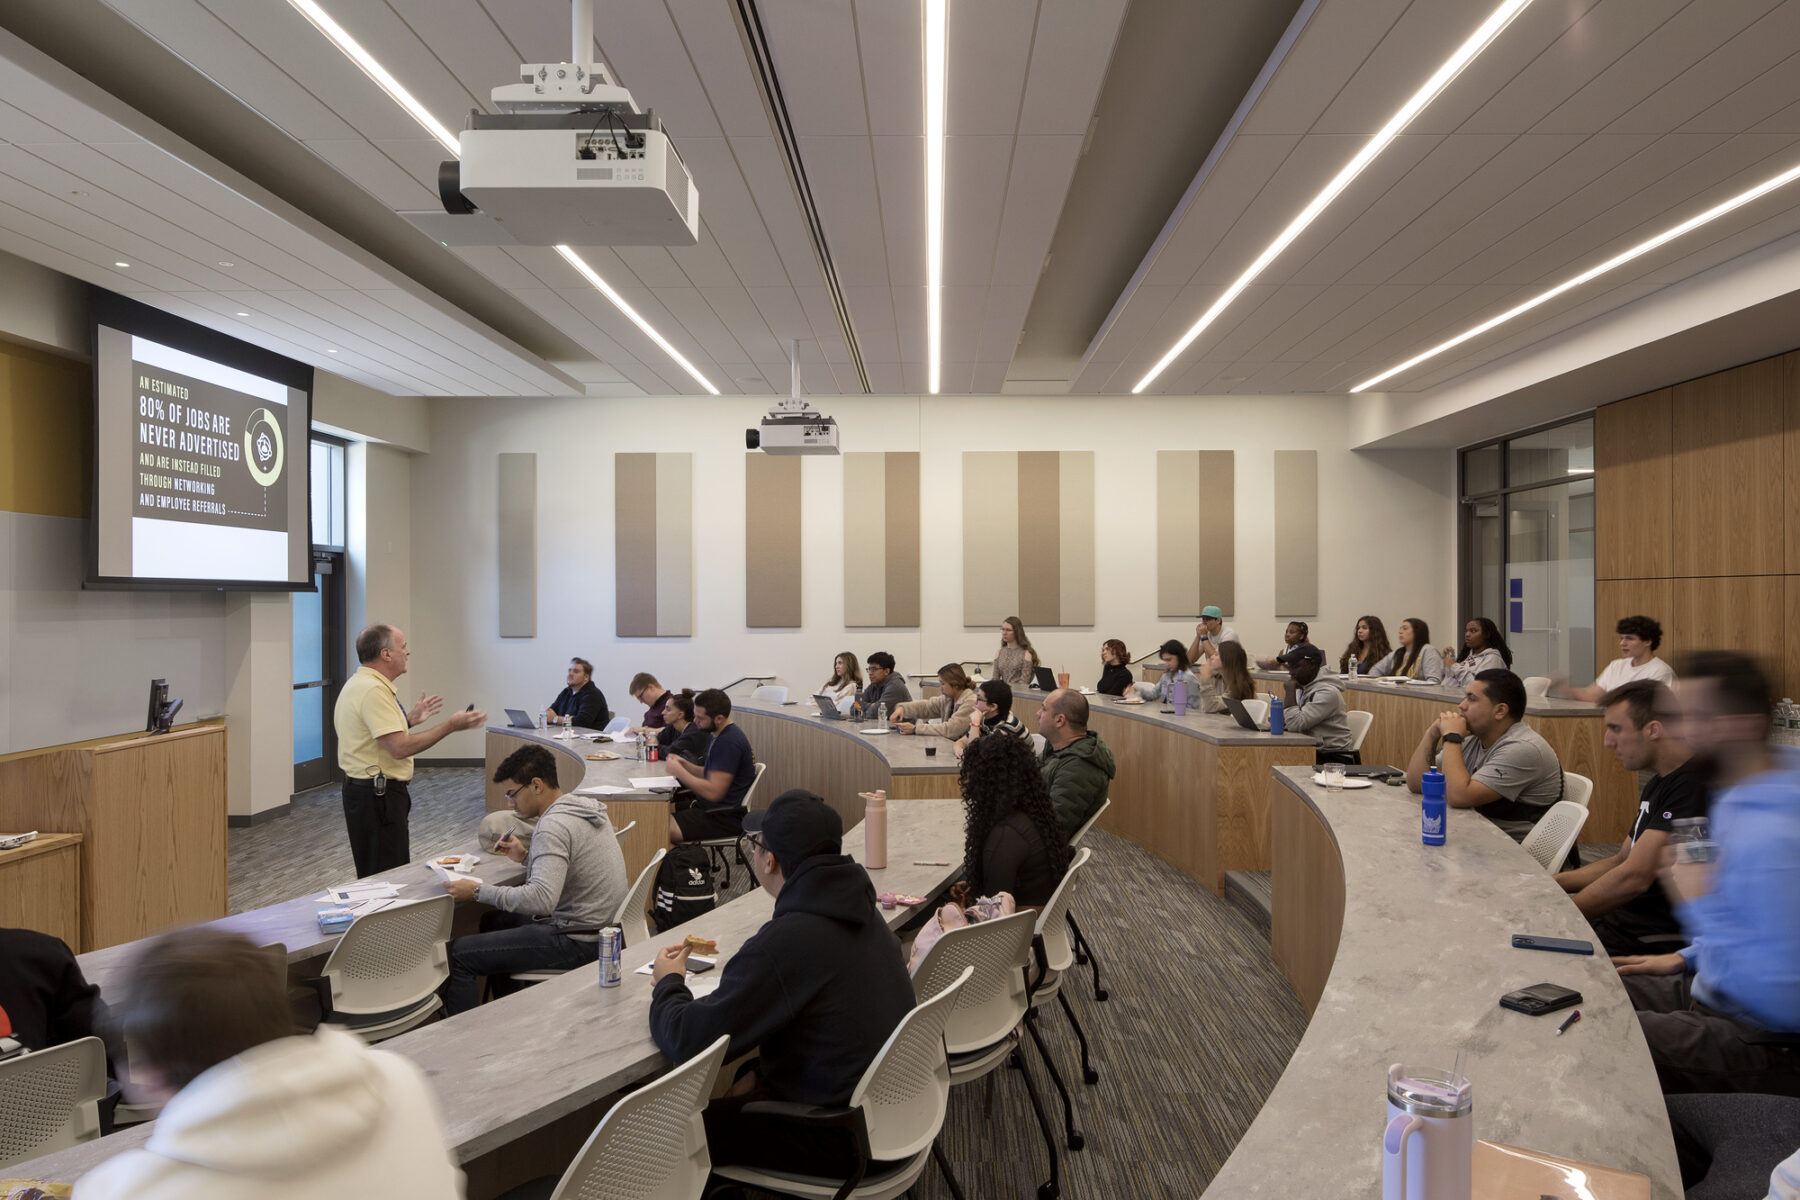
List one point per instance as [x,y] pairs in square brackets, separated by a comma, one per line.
[1084,953]
[724,849]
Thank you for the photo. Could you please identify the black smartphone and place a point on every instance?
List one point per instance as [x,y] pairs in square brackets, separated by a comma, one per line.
[1540,998]
[1531,941]
[471,708]
[1167,710]
[696,965]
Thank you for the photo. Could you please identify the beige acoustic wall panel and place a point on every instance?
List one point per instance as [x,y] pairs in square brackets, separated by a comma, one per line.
[1196,549]
[516,521]
[881,539]
[771,540]
[1028,537]
[1296,533]
[653,544]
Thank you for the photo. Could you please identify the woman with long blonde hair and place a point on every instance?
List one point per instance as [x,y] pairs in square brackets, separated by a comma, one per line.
[1015,661]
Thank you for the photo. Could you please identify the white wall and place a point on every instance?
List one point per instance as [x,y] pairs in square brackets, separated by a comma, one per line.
[259,701]
[379,548]
[1386,534]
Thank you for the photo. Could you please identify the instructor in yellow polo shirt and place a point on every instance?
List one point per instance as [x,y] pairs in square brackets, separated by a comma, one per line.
[376,747]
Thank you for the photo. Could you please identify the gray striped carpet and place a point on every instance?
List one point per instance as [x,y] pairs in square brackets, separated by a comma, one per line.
[1198,1028]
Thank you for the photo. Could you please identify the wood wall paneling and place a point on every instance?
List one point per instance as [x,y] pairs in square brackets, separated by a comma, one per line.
[1306,916]
[1790,675]
[1633,488]
[1727,476]
[1744,613]
[1790,458]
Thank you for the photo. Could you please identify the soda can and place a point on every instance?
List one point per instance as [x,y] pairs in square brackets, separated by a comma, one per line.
[655,754]
[610,973]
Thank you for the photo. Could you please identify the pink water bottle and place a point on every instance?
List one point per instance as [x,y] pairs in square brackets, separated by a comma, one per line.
[875,830]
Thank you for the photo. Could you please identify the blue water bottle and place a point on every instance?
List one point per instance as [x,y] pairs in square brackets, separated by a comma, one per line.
[1178,695]
[1277,719]
[1434,809]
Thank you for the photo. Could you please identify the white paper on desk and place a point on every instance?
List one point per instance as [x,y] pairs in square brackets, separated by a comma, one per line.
[654,783]
[358,892]
[446,873]
[604,789]
[649,968]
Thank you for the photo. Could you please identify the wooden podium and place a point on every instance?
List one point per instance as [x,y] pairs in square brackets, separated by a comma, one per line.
[151,815]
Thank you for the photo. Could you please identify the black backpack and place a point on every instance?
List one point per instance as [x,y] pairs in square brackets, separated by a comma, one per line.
[684,887]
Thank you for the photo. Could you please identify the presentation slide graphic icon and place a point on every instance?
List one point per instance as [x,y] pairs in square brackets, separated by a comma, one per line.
[264,452]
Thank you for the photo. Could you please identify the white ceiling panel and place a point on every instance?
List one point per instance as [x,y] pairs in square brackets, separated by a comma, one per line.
[988,46]
[1070,52]
[1042,166]
[891,40]
[815,51]
[842,173]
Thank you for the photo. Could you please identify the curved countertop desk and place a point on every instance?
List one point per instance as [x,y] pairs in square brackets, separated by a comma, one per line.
[1401,952]
[1191,789]
[1575,729]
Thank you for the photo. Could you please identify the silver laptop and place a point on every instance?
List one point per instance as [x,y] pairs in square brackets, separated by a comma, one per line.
[1239,713]
[518,718]
[828,708]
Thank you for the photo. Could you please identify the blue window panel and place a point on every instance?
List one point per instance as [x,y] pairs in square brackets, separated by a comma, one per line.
[1517,588]
[309,724]
[1515,619]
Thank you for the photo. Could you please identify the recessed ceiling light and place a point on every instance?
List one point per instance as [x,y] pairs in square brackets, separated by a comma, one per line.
[243,314]
[354,51]
[605,289]
[1616,261]
[121,265]
[223,263]
[330,351]
[1440,79]
[937,53]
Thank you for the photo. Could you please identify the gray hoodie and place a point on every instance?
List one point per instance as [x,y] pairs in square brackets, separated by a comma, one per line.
[574,872]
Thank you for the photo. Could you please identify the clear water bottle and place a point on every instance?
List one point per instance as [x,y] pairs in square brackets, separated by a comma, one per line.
[881,715]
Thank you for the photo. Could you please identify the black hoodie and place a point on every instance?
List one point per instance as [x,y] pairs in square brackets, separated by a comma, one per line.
[819,988]
[43,993]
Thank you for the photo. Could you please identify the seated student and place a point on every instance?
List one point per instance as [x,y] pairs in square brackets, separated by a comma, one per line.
[1175,666]
[943,715]
[1011,840]
[1115,668]
[45,1000]
[1315,706]
[250,1109]
[1415,657]
[680,736]
[574,882]
[1295,633]
[1483,649]
[1210,632]
[816,991]
[993,705]
[1639,638]
[1227,673]
[580,703]
[1016,661]
[1367,647]
[1620,895]
[845,682]
[1722,1015]
[721,781]
[653,696]
[885,687]
[1493,760]
[1078,767]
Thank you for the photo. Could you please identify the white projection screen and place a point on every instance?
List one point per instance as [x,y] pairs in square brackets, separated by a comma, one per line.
[201,452]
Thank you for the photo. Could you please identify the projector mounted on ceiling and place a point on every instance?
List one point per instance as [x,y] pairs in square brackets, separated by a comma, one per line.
[793,425]
[568,160]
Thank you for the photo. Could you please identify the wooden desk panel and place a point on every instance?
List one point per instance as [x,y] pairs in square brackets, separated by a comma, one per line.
[40,886]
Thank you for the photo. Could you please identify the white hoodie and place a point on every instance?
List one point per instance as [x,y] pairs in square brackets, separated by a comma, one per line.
[302,1118]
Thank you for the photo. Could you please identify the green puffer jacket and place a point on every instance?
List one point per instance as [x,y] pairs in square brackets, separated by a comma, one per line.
[1078,776]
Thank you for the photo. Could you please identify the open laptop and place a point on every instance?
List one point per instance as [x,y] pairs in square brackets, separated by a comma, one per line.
[1239,713]
[518,718]
[1044,680]
[828,708]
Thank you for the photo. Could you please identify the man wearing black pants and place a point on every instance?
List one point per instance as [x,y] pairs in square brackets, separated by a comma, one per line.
[376,746]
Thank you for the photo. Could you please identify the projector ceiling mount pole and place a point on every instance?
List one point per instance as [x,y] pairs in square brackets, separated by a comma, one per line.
[581,28]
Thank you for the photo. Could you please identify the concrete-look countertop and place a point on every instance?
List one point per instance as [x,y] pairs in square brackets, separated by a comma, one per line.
[1535,706]
[1217,728]
[1424,956]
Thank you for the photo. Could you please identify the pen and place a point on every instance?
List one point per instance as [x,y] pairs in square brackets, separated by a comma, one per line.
[1573,1017]
[922,863]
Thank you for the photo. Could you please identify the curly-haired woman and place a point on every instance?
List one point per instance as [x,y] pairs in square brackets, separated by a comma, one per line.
[1011,841]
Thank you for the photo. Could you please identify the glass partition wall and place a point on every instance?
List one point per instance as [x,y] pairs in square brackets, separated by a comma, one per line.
[1527,547]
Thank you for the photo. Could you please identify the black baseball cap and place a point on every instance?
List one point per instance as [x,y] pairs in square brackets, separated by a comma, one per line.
[1305,652]
[796,826]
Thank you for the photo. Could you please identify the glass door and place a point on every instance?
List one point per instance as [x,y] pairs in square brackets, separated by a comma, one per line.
[318,671]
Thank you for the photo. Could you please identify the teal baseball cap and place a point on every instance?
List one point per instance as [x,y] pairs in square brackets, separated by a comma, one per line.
[1213,612]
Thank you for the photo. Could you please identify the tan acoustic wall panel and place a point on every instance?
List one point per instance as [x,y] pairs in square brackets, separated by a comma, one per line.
[881,539]
[1296,533]
[516,519]
[653,544]
[1196,550]
[1028,537]
[771,541]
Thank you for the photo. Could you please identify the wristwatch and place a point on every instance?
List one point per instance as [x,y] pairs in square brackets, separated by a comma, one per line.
[1454,739]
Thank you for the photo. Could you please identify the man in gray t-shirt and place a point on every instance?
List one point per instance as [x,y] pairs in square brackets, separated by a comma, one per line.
[1504,767]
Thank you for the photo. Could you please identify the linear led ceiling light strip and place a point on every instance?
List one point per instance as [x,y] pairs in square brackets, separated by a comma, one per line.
[937,54]
[1616,261]
[384,79]
[1440,79]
